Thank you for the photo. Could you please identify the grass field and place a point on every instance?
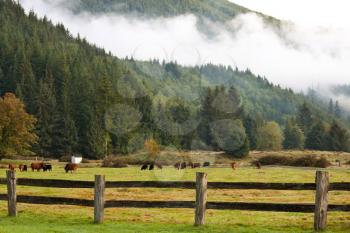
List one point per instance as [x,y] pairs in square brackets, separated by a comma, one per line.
[40,218]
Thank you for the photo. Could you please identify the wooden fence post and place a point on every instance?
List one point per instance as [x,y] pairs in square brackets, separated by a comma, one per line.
[99,201]
[321,202]
[201,198]
[11,193]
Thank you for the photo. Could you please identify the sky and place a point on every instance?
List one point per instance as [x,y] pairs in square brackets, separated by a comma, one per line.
[314,52]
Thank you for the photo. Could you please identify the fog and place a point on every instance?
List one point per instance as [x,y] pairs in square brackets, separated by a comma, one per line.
[304,56]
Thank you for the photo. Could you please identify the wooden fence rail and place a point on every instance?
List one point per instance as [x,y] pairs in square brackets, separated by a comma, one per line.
[342,186]
[320,208]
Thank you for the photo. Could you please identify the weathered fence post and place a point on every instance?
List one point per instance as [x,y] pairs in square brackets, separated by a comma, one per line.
[99,201]
[201,198]
[11,193]
[321,202]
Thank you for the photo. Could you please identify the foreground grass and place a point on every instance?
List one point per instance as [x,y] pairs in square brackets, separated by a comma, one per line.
[41,218]
[78,219]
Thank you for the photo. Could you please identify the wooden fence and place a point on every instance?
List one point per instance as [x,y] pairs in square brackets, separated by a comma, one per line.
[319,208]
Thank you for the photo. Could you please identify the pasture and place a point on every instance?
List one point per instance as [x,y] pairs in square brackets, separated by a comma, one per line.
[41,218]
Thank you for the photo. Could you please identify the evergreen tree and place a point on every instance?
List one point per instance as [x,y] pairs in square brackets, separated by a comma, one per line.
[315,139]
[337,138]
[304,118]
[206,117]
[337,110]
[331,107]
[251,125]
[293,136]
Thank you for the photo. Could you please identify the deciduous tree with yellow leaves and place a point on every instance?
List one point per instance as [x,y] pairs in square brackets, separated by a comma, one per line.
[152,147]
[16,127]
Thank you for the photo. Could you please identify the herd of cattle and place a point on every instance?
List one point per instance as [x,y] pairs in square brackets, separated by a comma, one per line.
[147,166]
[42,166]
[184,165]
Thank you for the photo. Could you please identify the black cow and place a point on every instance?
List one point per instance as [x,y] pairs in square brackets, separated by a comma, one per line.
[144,167]
[47,167]
[183,165]
[177,165]
[151,167]
[206,164]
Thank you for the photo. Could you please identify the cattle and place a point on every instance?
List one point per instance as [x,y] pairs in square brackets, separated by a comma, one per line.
[234,165]
[206,164]
[177,165]
[71,167]
[151,167]
[190,164]
[159,166]
[47,167]
[183,165]
[37,166]
[196,165]
[12,167]
[144,167]
[23,168]
[258,165]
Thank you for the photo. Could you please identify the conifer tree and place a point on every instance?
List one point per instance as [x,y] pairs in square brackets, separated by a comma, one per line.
[337,138]
[315,139]
[293,136]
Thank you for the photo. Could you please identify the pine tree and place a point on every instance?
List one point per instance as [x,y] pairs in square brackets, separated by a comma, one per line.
[337,138]
[337,110]
[315,139]
[331,107]
[293,136]
[251,126]
[206,117]
[304,118]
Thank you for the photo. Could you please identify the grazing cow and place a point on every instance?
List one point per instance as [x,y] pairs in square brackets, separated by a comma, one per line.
[71,167]
[234,165]
[159,166]
[23,168]
[206,164]
[144,167]
[258,165]
[47,167]
[37,166]
[151,167]
[183,165]
[12,167]
[177,165]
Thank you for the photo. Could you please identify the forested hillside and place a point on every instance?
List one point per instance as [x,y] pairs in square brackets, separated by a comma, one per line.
[206,12]
[218,10]
[89,102]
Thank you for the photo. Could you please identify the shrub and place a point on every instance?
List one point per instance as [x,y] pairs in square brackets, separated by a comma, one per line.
[305,161]
[114,162]
[65,158]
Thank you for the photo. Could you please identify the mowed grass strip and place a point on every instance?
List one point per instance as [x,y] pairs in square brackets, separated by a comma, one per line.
[79,219]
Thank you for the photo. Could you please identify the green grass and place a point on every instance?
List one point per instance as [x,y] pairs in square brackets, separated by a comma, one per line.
[41,218]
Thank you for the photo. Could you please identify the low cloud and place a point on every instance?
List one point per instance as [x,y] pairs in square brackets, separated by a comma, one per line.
[302,57]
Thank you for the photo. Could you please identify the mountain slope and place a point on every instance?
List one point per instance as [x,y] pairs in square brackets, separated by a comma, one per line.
[220,11]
